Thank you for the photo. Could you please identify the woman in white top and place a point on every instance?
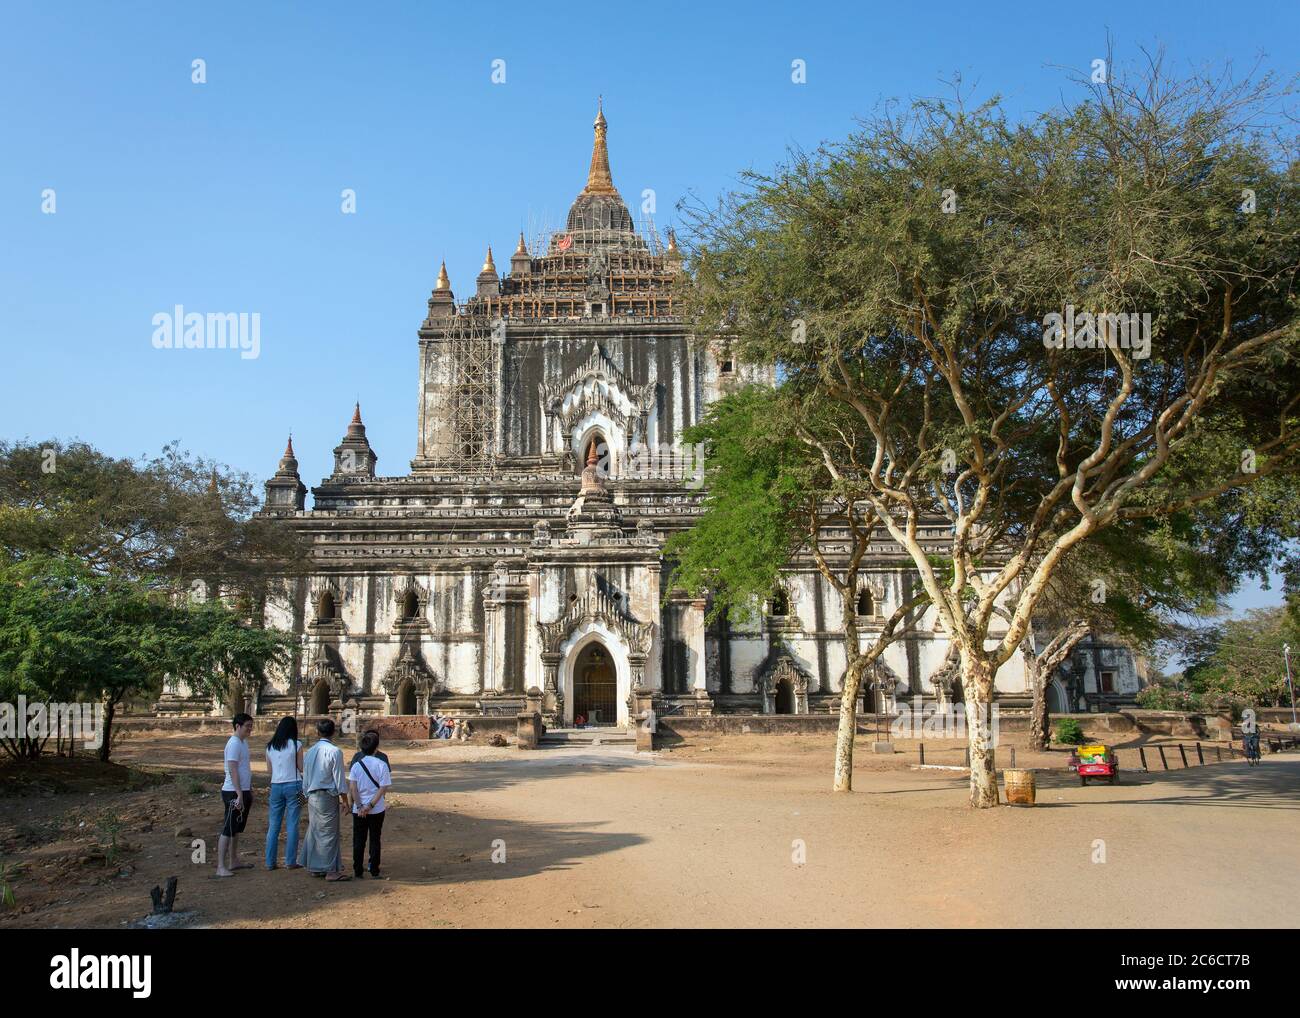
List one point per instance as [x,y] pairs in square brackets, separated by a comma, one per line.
[284,761]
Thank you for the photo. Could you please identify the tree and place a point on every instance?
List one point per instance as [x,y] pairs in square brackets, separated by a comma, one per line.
[68,633]
[169,523]
[771,500]
[1045,329]
[1240,661]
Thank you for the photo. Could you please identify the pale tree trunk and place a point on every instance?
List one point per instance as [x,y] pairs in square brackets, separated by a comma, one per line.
[848,729]
[1038,712]
[977,683]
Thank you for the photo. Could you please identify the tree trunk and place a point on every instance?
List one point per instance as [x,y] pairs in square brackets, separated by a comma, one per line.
[1037,713]
[848,729]
[105,747]
[977,684]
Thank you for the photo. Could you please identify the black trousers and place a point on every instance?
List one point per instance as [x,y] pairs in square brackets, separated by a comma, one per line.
[371,825]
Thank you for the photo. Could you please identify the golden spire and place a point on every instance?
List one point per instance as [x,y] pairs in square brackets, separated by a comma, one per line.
[488,265]
[521,249]
[443,282]
[599,180]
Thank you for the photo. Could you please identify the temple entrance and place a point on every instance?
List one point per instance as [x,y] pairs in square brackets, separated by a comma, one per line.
[595,688]
[406,697]
[320,698]
[785,697]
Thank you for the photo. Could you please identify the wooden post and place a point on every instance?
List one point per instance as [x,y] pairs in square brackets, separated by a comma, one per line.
[1013,758]
[967,756]
[1142,754]
[1163,761]
[1218,754]
[1200,757]
[921,747]
[1182,751]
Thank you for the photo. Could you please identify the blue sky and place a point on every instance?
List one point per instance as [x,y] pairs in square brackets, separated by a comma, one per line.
[225,196]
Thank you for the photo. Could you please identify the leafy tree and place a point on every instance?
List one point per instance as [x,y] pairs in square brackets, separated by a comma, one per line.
[68,633]
[169,523]
[771,500]
[910,276]
[1241,660]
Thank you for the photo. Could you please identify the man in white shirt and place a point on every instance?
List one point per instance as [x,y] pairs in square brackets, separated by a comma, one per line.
[326,788]
[237,794]
[368,781]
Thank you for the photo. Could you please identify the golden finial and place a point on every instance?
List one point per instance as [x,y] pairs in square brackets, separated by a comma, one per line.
[488,265]
[599,180]
[672,241]
[443,282]
[521,249]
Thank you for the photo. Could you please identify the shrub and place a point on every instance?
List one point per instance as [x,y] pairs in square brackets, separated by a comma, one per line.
[1069,732]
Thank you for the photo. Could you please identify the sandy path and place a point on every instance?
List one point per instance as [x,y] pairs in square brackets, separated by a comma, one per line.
[609,838]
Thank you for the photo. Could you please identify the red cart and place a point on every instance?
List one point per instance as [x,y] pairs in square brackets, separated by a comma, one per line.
[1096,761]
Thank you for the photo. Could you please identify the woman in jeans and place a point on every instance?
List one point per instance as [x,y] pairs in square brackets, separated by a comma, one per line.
[284,760]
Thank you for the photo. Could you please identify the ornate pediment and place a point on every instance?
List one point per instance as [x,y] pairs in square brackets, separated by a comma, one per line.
[597,606]
[326,666]
[783,666]
[597,384]
[409,665]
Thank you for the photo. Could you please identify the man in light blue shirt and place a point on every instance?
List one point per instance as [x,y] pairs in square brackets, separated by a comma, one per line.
[326,786]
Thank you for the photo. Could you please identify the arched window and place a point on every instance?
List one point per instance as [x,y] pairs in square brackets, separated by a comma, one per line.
[865,607]
[326,611]
[780,604]
[410,606]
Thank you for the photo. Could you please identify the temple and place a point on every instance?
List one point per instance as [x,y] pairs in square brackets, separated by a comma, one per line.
[520,559]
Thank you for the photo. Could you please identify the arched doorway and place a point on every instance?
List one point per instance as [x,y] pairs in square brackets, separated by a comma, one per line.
[785,696]
[595,686]
[1057,701]
[406,697]
[320,698]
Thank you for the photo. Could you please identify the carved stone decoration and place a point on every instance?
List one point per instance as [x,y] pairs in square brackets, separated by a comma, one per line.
[410,666]
[326,666]
[317,591]
[883,679]
[400,592]
[598,368]
[597,606]
[784,668]
[541,533]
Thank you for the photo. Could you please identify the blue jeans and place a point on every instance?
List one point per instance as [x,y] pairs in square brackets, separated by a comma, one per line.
[286,805]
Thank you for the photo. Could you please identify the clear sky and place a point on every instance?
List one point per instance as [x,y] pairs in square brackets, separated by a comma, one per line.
[225,196]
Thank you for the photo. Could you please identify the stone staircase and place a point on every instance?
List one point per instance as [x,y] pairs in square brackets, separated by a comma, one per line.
[587,738]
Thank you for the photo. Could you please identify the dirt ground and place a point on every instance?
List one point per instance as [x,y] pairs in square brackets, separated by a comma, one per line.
[734,831]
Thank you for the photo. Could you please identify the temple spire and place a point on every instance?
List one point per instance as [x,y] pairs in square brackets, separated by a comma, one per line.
[599,180]
[488,264]
[443,282]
